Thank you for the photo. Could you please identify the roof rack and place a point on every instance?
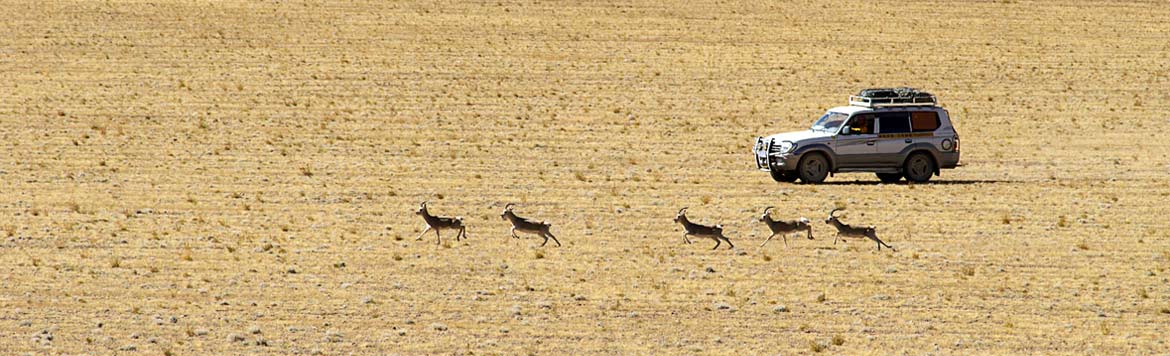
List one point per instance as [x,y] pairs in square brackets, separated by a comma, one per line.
[892,97]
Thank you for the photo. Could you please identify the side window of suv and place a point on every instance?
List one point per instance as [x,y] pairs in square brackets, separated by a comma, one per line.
[861,125]
[924,121]
[894,122]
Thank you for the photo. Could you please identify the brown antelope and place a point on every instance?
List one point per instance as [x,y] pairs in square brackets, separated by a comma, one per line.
[784,227]
[711,232]
[438,223]
[843,230]
[524,225]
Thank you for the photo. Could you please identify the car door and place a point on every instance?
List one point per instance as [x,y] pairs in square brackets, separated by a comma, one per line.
[856,143]
[893,136]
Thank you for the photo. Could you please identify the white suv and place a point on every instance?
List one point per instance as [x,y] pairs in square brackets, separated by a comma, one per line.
[894,132]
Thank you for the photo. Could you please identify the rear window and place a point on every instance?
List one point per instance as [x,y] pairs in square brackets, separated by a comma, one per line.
[924,121]
[894,122]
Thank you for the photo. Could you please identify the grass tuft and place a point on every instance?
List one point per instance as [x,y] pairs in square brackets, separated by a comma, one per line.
[815,346]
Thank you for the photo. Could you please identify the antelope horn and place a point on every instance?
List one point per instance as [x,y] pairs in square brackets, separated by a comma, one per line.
[833,211]
[423,205]
[508,207]
[682,211]
[766,210]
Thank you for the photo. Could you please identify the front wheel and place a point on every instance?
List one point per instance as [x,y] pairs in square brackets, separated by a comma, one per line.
[889,178]
[813,168]
[783,176]
[918,168]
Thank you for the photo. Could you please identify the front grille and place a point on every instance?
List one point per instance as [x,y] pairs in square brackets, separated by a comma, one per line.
[773,150]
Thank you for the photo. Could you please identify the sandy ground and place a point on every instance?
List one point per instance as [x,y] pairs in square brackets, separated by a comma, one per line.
[194,178]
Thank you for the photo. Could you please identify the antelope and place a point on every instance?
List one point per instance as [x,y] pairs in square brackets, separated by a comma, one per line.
[524,225]
[712,232]
[438,223]
[869,232]
[784,227]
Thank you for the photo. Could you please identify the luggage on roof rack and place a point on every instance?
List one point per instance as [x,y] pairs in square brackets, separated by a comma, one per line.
[887,97]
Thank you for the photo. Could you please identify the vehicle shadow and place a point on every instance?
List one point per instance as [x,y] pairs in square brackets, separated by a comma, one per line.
[933,182]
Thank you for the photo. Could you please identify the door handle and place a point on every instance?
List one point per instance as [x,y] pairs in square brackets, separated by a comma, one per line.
[909,140]
[869,143]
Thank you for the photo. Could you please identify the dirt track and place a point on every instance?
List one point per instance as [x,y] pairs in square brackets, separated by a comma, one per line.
[251,170]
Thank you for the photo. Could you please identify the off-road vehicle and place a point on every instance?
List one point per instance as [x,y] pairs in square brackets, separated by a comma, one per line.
[893,132]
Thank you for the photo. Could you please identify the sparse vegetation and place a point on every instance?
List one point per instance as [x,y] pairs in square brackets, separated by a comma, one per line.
[838,340]
[241,164]
[816,347]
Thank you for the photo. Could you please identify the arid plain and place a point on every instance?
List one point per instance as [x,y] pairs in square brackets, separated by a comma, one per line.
[194,178]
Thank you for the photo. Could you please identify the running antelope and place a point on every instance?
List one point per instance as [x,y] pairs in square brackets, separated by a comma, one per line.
[711,232]
[524,225]
[843,230]
[438,223]
[784,227]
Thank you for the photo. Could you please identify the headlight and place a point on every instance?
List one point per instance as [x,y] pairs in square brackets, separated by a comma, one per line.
[785,147]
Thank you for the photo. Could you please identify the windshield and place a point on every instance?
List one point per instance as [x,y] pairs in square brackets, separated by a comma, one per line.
[830,121]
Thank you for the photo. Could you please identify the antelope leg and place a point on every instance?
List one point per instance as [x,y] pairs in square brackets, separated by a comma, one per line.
[420,235]
[770,239]
[553,237]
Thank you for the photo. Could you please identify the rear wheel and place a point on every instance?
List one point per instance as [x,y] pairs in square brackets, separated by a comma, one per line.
[889,178]
[918,168]
[784,176]
[813,168]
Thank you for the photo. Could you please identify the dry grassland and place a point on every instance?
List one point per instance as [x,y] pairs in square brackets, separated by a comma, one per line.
[237,177]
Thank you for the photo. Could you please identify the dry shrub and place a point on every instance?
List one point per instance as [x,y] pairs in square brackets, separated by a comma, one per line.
[815,346]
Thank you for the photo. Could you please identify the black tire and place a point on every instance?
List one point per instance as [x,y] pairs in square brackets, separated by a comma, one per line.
[918,168]
[813,168]
[783,176]
[889,178]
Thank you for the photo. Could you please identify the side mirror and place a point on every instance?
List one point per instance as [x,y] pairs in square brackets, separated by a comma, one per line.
[846,130]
